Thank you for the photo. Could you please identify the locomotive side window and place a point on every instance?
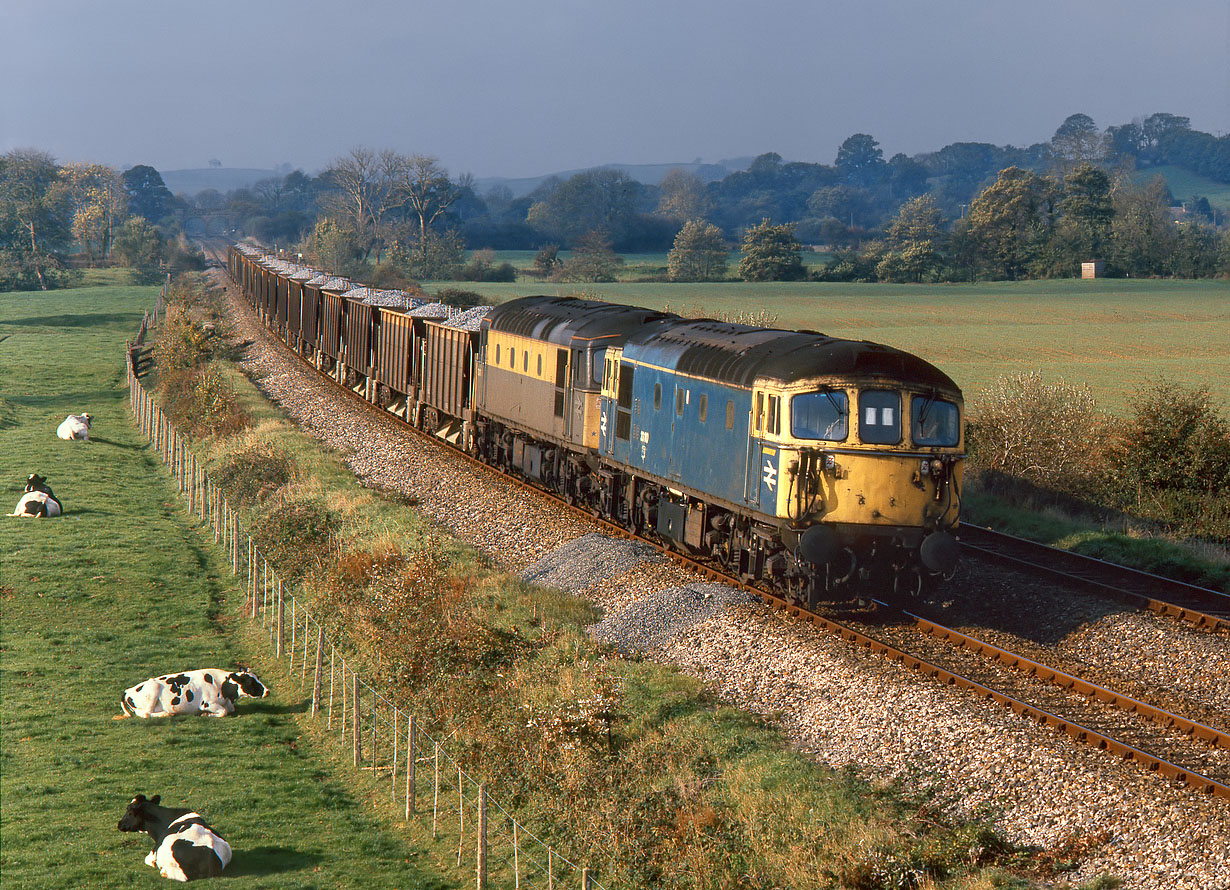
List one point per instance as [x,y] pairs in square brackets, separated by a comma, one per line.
[525,360]
[759,425]
[597,361]
[730,414]
[657,396]
[540,364]
[623,413]
[703,408]
[679,400]
[879,417]
[934,422]
[820,415]
[497,353]
[774,426]
[512,357]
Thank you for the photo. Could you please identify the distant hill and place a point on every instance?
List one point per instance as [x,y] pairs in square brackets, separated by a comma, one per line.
[649,174]
[1183,184]
[222,179]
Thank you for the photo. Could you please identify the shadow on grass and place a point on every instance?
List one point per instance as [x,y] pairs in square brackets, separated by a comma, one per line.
[299,707]
[76,321]
[126,446]
[262,861]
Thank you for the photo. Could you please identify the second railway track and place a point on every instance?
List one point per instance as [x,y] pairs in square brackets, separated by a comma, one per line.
[1157,738]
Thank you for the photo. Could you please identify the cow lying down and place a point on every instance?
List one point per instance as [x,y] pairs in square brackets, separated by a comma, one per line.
[75,426]
[38,501]
[207,691]
[185,847]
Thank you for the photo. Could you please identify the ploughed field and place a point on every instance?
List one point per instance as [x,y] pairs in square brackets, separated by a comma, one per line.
[1113,335]
[843,707]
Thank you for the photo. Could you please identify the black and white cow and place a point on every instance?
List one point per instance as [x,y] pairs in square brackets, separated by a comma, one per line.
[38,501]
[185,847]
[207,691]
[75,426]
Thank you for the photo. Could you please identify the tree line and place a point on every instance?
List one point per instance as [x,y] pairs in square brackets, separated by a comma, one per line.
[970,211]
[56,219]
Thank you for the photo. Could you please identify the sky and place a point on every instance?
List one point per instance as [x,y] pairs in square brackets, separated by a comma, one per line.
[502,89]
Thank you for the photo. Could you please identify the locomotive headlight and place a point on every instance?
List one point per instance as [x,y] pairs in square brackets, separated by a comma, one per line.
[925,469]
[830,462]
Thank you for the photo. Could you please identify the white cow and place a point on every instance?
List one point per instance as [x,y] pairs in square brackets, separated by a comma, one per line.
[38,501]
[185,847]
[207,691]
[75,426]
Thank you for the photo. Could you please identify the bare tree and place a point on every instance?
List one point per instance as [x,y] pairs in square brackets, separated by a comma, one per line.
[428,193]
[368,188]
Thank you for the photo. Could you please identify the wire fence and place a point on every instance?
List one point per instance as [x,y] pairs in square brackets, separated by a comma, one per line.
[383,737]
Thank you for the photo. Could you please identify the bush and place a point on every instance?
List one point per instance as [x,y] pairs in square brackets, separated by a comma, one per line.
[296,536]
[1175,441]
[462,299]
[1047,433]
[202,401]
[251,475]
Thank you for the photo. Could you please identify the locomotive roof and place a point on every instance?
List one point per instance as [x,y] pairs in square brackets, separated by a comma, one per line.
[560,319]
[741,354]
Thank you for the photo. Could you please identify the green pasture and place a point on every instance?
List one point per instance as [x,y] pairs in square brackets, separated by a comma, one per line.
[121,588]
[638,265]
[1113,335]
[1184,184]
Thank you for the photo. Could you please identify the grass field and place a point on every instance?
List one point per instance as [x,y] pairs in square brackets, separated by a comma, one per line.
[1183,184]
[119,589]
[1114,335]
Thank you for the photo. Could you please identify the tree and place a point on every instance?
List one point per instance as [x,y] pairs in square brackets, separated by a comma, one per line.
[593,259]
[1142,236]
[437,255]
[429,194]
[683,196]
[35,220]
[912,245]
[849,204]
[603,199]
[139,245]
[1083,232]
[770,253]
[148,196]
[99,202]
[699,253]
[365,188]
[1077,141]
[1010,221]
[860,159]
[333,246]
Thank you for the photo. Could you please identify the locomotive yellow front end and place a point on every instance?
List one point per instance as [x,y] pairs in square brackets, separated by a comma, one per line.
[870,479]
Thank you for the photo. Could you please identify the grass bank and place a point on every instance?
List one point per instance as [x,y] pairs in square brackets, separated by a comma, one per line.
[119,589]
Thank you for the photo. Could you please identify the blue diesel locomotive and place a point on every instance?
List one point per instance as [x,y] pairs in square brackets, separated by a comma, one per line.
[821,467]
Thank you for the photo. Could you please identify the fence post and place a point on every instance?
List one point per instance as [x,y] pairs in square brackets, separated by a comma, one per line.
[320,643]
[584,879]
[332,661]
[516,860]
[278,608]
[393,770]
[290,668]
[354,716]
[410,747]
[345,703]
[481,867]
[550,869]
[461,815]
[307,620]
[435,800]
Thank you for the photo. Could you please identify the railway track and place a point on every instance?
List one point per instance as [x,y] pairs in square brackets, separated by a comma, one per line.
[1160,740]
[1205,608]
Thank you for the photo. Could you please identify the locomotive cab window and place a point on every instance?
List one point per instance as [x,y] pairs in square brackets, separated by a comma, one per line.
[820,415]
[934,422]
[774,425]
[879,419]
[597,362]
